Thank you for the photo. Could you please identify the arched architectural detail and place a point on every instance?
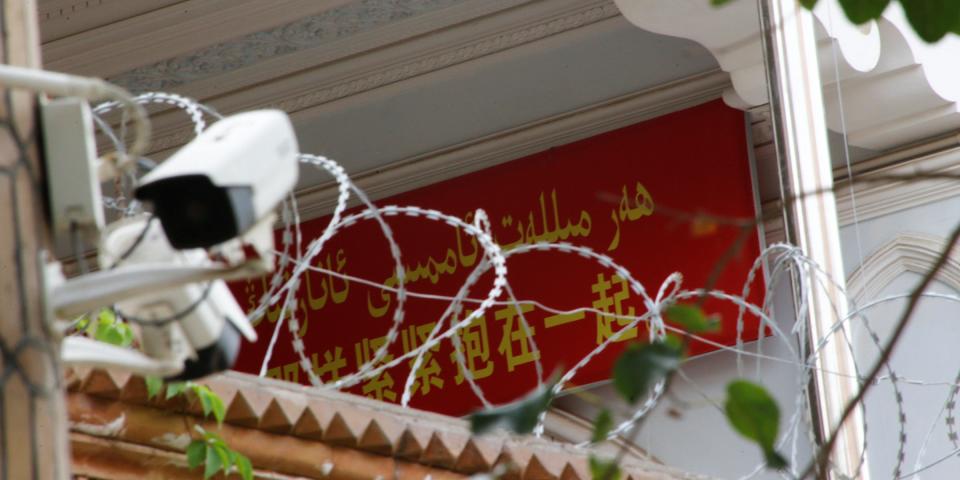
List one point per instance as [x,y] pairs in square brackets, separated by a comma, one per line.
[908,252]
[917,82]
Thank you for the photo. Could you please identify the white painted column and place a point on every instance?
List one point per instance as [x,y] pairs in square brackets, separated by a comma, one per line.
[804,155]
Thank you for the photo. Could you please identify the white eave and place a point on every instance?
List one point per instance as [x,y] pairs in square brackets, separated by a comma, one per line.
[883,86]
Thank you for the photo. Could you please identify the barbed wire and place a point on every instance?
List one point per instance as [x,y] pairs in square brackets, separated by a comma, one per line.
[774,264]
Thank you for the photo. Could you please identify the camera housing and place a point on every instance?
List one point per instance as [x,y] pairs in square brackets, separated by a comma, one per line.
[190,324]
[220,184]
[215,200]
[198,325]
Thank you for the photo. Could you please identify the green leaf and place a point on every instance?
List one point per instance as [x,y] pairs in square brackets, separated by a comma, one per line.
[775,460]
[519,417]
[226,455]
[203,394]
[109,329]
[932,19]
[755,415]
[106,315]
[602,426]
[674,341]
[210,402]
[83,324]
[862,11]
[108,335]
[601,469]
[196,452]
[692,318]
[808,4]
[212,437]
[641,366]
[175,388]
[244,468]
[154,386]
[212,463]
[218,408]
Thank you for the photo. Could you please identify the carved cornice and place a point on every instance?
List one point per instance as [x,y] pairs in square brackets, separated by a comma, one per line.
[883,86]
[907,253]
[121,35]
[867,200]
[590,13]
[300,35]
[313,88]
[51,10]
[62,18]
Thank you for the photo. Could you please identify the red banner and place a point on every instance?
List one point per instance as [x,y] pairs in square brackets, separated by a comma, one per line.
[626,194]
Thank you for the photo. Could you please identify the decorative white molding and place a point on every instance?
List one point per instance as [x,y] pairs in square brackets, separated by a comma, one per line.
[62,18]
[173,30]
[737,45]
[881,198]
[883,86]
[303,34]
[336,44]
[399,52]
[874,198]
[521,141]
[907,253]
[773,231]
[588,13]
[53,9]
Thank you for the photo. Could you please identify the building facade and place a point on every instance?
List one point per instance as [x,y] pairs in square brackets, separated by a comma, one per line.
[410,93]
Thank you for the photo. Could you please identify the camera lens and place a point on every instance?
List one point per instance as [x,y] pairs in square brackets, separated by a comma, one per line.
[195,213]
[216,358]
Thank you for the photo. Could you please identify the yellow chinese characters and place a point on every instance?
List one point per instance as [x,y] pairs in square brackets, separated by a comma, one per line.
[612,305]
[475,346]
[380,386]
[561,319]
[289,372]
[428,375]
[333,362]
[515,344]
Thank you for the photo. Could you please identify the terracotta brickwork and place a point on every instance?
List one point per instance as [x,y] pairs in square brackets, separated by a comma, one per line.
[289,431]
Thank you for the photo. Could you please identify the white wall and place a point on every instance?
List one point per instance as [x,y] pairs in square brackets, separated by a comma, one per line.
[702,442]
[927,352]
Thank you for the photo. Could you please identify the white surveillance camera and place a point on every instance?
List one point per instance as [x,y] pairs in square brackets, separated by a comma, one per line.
[225,181]
[187,331]
[199,324]
[219,191]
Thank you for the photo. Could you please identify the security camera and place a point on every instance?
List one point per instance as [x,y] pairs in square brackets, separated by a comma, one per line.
[215,199]
[188,330]
[198,323]
[225,180]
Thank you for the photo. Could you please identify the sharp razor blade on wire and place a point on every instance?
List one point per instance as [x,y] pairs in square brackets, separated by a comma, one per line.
[137,246]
